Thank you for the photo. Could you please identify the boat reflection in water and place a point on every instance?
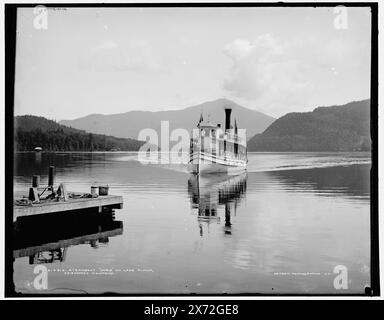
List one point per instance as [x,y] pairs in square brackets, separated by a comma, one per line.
[215,195]
[46,238]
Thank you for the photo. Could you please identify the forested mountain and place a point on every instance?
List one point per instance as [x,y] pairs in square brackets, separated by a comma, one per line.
[32,131]
[336,128]
[129,124]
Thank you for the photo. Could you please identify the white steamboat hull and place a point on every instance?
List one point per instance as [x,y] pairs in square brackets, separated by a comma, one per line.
[201,163]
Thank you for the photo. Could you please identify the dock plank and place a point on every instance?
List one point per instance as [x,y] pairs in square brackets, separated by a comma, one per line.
[111,201]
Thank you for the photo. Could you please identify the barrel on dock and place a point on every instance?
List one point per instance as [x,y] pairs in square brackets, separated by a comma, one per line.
[94,190]
[103,190]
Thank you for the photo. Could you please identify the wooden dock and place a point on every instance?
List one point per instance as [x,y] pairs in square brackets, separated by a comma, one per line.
[100,203]
[44,200]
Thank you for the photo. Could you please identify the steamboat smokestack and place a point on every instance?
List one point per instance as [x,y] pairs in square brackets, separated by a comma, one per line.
[228,118]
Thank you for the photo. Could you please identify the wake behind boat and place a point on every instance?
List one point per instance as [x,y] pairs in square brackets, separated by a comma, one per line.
[213,150]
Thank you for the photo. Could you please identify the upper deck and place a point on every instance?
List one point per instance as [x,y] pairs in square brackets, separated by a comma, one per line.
[211,139]
[217,133]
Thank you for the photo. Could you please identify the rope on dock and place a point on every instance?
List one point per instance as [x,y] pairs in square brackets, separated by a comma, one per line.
[75,195]
[53,198]
[22,202]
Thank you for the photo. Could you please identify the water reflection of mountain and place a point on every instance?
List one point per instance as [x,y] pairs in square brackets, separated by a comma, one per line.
[45,239]
[210,194]
[351,181]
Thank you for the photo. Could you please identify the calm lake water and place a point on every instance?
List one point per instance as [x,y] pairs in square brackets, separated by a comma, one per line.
[281,228]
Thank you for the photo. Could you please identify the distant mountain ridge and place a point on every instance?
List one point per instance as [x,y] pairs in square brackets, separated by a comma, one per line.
[335,128]
[129,124]
[33,131]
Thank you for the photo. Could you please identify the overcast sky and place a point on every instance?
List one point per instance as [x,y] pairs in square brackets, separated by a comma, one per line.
[274,60]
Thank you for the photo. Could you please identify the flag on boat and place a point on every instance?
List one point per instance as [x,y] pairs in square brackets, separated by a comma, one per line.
[201,118]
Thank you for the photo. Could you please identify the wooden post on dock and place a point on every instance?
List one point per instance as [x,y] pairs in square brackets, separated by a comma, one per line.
[33,195]
[35,181]
[62,192]
[51,177]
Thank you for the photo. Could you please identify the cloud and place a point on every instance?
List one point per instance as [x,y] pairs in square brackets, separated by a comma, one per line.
[279,75]
[239,49]
[109,56]
[265,71]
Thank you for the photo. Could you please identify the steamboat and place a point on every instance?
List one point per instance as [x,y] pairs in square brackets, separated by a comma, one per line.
[214,150]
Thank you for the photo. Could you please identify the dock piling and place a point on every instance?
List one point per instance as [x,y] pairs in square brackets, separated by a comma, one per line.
[33,195]
[62,191]
[35,181]
[51,176]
